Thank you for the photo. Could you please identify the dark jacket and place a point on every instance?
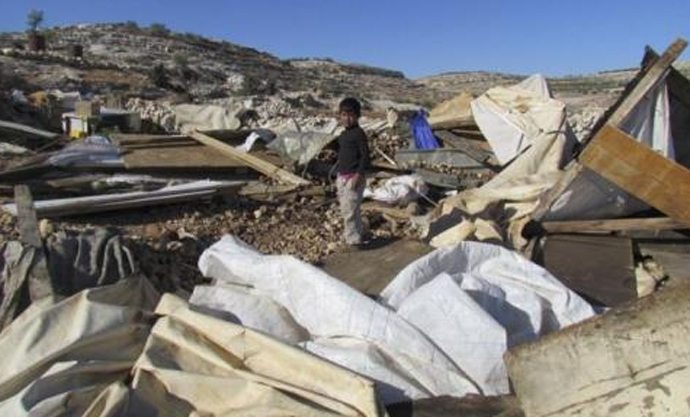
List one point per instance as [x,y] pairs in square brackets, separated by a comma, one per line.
[353,151]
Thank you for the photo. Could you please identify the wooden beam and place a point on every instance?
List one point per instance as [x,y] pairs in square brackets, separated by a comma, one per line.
[260,165]
[654,179]
[40,283]
[582,226]
[653,74]
[678,85]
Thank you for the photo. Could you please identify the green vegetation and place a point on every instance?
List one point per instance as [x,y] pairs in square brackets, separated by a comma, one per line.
[34,19]
[159,29]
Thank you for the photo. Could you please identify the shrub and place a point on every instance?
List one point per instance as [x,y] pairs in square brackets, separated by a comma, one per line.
[159,29]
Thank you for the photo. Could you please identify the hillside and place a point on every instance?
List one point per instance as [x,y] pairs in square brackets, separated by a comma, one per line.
[122,57]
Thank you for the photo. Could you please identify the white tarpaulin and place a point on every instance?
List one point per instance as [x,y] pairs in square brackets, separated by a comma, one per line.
[402,189]
[513,118]
[301,147]
[592,197]
[443,325]
[528,129]
[207,117]
[105,352]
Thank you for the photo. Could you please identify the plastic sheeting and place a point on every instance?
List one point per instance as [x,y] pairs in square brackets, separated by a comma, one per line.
[441,329]
[105,202]
[301,147]
[592,197]
[190,117]
[513,118]
[398,190]
[92,151]
[103,353]
[524,125]
[421,131]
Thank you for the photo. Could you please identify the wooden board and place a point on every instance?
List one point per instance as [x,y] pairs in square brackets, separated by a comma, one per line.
[653,74]
[258,164]
[40,282]
[467,146]
[659,182]
[613,225]
[160,152]
[599,267]
[630,362]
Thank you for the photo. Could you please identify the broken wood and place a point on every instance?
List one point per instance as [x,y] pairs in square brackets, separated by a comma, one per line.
[652,76]
[639,170]
[648,78]
[40,283]
[614,225]
[258,164]
[630,362]
[457,142]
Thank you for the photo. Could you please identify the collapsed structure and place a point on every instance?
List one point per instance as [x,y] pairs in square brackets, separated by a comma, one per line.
[528,234]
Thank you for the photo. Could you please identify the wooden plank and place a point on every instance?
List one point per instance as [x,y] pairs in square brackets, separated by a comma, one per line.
[26,130]
[457,142]
[652,76]
[171,152]
[630,362]
[614,225]
[654,179]
[40,282]
[430,157]
[601,268]
[459,122]
[260,165]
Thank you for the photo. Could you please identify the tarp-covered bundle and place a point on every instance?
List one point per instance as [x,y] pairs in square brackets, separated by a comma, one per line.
[119,351]
[440,329]
[529,130]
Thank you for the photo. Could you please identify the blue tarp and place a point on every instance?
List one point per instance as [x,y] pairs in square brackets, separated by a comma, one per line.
[421,131]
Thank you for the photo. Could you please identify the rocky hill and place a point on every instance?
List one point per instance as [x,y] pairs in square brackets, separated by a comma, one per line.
[147,61]
[153,62]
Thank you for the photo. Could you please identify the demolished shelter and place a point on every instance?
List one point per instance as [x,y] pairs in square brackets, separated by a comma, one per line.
[269,334]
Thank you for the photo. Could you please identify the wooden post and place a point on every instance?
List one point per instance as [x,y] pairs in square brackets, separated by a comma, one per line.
[40,283]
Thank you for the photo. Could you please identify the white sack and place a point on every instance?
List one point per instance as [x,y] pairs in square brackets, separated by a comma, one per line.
[401,190]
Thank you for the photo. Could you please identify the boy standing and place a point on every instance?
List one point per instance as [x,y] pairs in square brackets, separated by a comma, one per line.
[353,161]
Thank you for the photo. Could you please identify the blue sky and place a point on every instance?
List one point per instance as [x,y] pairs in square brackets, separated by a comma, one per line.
[417,37]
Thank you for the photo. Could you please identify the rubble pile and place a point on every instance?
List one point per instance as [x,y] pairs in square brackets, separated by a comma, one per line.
[584,121]
[159,114]
[204,247]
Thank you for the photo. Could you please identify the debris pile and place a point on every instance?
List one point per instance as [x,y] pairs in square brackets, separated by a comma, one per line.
[174,246]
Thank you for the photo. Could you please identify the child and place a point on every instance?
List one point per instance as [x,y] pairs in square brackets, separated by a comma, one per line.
[353,161]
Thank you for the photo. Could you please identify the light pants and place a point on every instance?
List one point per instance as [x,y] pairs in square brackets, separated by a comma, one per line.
[350,199]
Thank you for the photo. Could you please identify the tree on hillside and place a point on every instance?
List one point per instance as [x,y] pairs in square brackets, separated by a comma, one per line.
[159,29]
[34,19]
